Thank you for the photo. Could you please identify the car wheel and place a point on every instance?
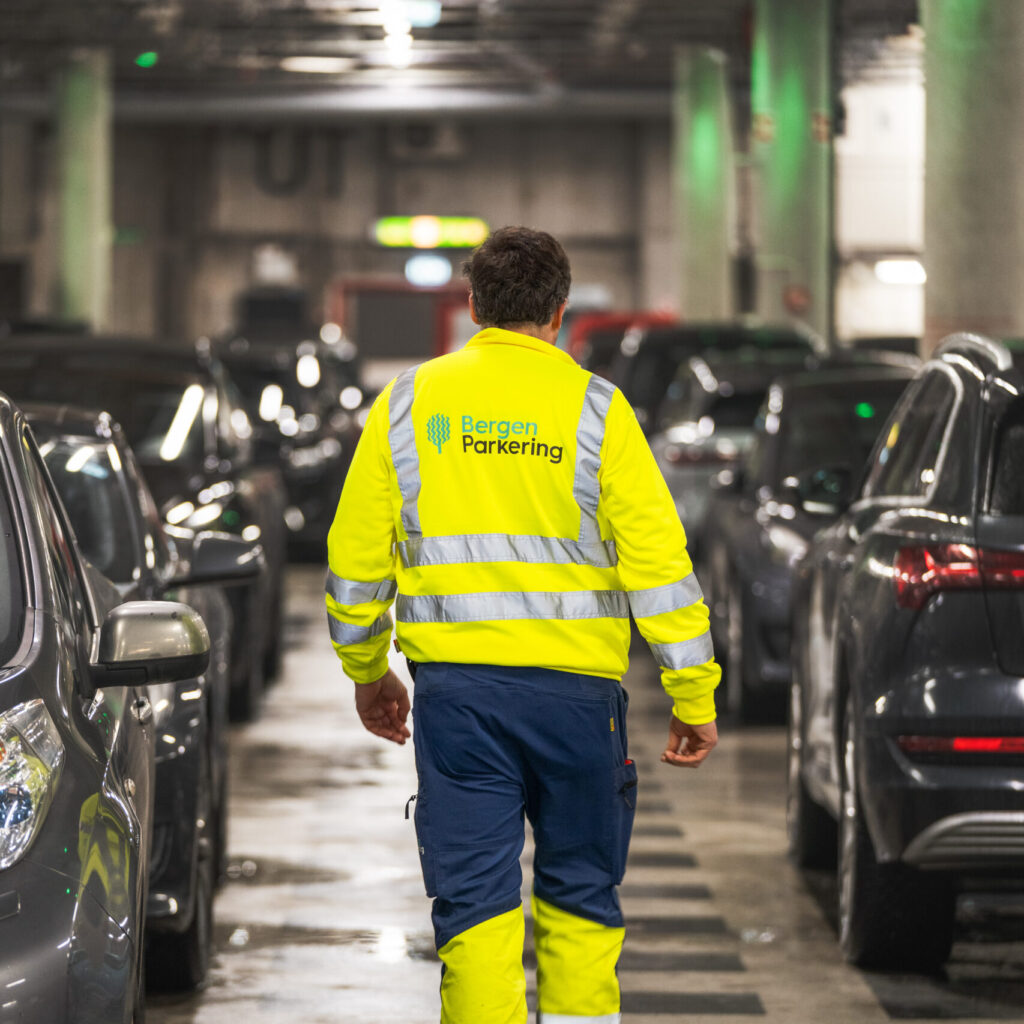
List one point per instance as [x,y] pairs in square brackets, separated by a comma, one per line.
[809,827]
[178,962]
[891,917]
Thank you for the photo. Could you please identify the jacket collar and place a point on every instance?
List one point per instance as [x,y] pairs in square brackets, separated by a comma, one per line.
[499,336]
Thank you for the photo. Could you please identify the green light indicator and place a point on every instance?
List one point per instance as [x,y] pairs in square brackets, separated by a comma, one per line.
[147,59]
[231,518]
[865,410]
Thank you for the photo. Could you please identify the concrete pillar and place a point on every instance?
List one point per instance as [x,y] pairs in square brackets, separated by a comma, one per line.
[704,183]
[791,149]
[974,152]
[84,179]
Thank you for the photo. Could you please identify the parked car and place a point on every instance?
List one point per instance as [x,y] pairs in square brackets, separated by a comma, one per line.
[77,735]
[119,531]
[907,700]
[594,338]
[706,422]
[649,357]
[761,516]
[193,441]
[307,408]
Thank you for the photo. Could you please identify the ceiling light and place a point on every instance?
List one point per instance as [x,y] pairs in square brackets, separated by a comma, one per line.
[399,49]
[318,65]
[900,271]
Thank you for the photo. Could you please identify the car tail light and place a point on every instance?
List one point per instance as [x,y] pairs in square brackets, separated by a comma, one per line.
[962,744]
[1001,570]
[923,570]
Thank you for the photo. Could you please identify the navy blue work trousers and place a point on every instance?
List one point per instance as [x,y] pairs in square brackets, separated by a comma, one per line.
[497,744]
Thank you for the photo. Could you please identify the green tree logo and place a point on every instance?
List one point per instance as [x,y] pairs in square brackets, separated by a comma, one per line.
[439,429]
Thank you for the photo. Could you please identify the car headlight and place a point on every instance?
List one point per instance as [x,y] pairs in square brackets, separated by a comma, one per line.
[31,755]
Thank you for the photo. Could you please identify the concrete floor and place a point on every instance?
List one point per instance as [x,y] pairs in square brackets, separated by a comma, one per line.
[324,919]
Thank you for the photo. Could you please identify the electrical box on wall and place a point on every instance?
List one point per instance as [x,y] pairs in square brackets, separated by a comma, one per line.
[426,140]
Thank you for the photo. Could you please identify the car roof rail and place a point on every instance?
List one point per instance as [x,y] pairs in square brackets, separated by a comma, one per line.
[975,346]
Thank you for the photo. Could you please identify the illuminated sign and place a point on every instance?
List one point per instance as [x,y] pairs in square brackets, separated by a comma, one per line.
[430,232]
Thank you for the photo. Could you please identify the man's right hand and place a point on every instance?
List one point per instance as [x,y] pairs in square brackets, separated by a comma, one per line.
[383,707]
[689,745]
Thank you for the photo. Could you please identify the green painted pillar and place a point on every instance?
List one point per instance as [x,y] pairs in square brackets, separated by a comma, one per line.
[704,184]
[974,154]
[791,152]
[84,184]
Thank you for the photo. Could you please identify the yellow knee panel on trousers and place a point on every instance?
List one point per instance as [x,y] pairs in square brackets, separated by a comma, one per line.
[483,979]
[576,961]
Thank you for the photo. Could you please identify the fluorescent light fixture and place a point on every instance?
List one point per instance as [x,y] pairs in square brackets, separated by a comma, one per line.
[115,457]
[399,49]
[900,271]
[188,410]
[428,270]
[310,65]
[180,513]
[423,13]
[394,17]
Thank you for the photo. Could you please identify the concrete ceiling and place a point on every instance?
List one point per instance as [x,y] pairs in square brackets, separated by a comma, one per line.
[219,56]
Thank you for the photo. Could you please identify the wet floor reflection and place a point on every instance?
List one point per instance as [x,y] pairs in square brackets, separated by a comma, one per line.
[323,920]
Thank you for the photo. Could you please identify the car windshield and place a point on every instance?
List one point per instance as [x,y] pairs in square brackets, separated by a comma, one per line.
[658,360]
[12,594]
[826,428]
[85,473]
[161,410]
[736,411]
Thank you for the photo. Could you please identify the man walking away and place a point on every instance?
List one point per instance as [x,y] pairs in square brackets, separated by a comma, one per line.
[510,500]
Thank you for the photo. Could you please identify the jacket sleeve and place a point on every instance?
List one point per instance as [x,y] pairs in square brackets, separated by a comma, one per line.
[664,596]
[360,545]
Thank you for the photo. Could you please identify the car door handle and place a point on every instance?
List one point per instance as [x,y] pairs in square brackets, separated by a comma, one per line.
[142,709]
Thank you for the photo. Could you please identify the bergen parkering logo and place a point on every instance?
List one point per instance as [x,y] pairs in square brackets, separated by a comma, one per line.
[439,430]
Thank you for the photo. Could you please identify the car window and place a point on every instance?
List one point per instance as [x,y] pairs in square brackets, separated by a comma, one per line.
[1006,497]
[66,574]
[159,409]
[906,463]
[12,592]
[96,502]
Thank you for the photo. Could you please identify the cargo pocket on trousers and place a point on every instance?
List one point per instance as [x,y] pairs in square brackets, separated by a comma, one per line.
[625,810]
[427,849]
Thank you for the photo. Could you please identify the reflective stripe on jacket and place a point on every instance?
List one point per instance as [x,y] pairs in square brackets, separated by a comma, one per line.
[510,502]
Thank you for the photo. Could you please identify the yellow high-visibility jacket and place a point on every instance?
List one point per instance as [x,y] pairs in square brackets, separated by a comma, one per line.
[510,500]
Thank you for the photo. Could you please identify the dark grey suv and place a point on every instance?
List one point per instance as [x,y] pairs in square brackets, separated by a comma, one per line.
[907,700]
[76,755]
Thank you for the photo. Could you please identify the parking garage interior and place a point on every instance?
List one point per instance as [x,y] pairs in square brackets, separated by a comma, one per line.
[226,225]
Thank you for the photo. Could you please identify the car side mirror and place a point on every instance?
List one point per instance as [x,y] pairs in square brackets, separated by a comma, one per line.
[826,492]
[144,642]
[222,558]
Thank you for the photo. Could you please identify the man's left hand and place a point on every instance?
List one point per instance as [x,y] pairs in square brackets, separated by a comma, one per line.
[383,707]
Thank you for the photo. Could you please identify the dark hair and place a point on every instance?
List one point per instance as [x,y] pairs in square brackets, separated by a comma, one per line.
[518,276]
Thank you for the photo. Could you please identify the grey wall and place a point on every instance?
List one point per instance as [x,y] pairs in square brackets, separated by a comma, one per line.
[191,204]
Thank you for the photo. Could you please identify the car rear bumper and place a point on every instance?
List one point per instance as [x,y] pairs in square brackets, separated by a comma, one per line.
[942,815]
[991,839]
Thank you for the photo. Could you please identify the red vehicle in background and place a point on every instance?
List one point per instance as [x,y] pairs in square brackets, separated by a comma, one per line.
[594,338]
